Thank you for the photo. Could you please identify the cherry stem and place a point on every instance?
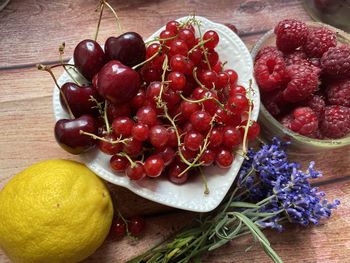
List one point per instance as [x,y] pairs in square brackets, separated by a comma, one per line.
[149,59]
[205,182]
[94,136]
[101,6]
[122,154]
[202,149]
[119,27]
[61,52]
[244,147]
[105,117]
[61,65]
[48,69]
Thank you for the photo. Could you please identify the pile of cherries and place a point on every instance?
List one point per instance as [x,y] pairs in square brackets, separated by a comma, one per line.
[167,107]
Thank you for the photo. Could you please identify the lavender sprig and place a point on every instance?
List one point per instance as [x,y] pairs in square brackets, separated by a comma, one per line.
[270,191]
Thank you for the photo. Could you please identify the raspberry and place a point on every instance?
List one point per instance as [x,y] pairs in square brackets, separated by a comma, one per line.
[270,71]
[305,121]
[317,104]
[267,50]
[290,34]
[287,120]
[318,41]
[303,82]
[336,61]
[338,93]
[274,103]
[336,121]
[295,57]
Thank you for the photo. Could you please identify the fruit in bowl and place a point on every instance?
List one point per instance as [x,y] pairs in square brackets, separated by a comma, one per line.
[303,73]
[181,103]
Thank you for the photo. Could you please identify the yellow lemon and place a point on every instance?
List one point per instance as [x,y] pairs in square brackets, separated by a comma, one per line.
[54,211]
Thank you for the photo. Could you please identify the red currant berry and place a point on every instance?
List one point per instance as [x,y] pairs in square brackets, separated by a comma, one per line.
[138,101]
[147,115]
[153,91]
[132,147]
[177,81]
[110,148]
[224,158]
[158,136]
[178,46]
[172,26]
[174,172]
[253,130]
[181,64]
[237,104]
[233,76]
[193,140]
[188,154]
[223,80]
[196,55]
[167,154]
[118,163]
[207,158]
[231,137]
[154,166]
[233,90]
[122,126]
[216,137]
[208,78]
[119,228]
[152,49]
[150,74]
[114,111]
[187,108]
[201,121]
[140,132]
[167,36]
[214,39]
[135,172]
[136,226]
[187,36]
[172,141]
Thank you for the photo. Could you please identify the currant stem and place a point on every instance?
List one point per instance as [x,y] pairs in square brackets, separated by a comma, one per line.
[122,154]
[48,69]
[202,149]
[102,5]
[200,43]
[61,52]
[205,98]
[160,103]
[149,59]
[205,182]
[156,39]
[105,117]
[203,48]
[94,136]
[119,28]
[244,146]
[194,73]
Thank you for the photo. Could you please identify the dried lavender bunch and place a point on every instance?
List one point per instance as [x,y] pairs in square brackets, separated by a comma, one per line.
[270,191]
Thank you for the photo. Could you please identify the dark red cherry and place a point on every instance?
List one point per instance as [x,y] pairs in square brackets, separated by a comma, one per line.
[79,99]
[89,58]
[117,82]
[67,134]
[128,48]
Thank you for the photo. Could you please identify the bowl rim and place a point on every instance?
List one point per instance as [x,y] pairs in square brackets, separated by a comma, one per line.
[315,143]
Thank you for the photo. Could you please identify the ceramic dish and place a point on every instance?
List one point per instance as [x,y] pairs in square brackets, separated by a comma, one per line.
[189,196]
[270,127]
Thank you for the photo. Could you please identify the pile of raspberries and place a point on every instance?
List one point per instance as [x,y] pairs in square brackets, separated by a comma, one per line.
[305,80]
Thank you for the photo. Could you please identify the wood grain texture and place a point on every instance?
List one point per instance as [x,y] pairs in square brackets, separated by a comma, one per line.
[27,22]
[30,33]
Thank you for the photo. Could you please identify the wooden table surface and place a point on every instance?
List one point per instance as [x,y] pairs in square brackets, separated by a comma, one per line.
[30,32]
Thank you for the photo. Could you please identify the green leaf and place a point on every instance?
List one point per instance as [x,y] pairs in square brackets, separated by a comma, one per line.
[243,204]
[263,240]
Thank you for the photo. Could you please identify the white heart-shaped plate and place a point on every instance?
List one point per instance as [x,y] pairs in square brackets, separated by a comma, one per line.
[189,196]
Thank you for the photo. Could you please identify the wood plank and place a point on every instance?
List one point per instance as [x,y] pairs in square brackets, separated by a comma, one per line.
[26,24]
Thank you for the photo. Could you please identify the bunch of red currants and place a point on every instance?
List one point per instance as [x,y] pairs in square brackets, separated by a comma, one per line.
[167,107]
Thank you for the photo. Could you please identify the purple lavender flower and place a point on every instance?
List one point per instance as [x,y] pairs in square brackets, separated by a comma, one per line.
[268,174]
